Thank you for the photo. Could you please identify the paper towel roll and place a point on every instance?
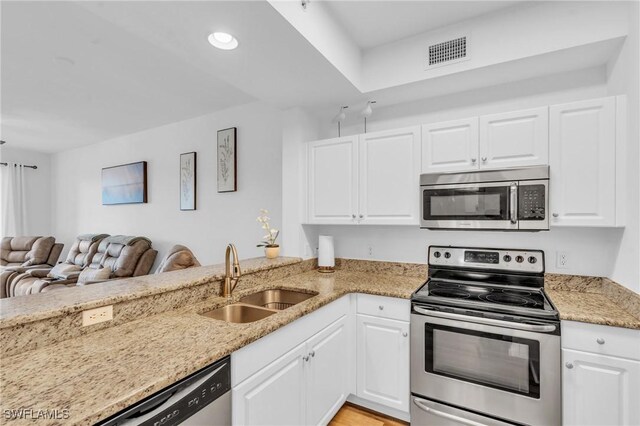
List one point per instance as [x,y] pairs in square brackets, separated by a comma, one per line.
[326,256]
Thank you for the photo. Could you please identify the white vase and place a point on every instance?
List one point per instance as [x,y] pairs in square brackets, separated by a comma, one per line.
[272,252]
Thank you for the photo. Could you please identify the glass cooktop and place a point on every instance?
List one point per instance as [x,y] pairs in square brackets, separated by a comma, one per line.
[486,296]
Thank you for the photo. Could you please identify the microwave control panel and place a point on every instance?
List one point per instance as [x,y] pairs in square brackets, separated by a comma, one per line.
[531,202]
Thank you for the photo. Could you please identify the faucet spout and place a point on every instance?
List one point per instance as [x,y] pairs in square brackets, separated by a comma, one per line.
[232,273]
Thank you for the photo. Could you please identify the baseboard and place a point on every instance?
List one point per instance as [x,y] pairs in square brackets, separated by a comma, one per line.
[401,415]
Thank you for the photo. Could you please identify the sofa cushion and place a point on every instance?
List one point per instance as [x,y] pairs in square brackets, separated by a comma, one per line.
[39,253]
[89,275]
[22,243]
[64,270]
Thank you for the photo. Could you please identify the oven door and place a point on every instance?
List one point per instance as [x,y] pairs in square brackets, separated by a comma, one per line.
[490,366]
[470,206]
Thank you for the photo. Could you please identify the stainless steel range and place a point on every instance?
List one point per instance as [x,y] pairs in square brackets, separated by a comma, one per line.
[485,345]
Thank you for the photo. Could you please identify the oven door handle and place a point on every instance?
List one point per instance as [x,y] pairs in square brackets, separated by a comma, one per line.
[513,203]
[542,328]
[456,419]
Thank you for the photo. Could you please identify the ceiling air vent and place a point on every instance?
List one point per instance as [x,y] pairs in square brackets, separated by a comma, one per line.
[448,52]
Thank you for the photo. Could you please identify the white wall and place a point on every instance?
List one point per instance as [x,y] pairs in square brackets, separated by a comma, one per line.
[220,218]
[624,74]
[38,186]
[591,251]
[525,31]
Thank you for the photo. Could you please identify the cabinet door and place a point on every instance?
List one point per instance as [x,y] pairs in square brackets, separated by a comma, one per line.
[275,395]
[327,373]
[599,390]
[450,146]
[333,181]
[582,159]
[514,139]
[383,361]
[390,177]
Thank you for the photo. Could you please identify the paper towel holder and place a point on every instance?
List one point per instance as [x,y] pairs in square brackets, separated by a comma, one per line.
[326,258]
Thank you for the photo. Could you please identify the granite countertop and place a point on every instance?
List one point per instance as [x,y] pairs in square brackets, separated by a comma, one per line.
[97,375]
[19,310]
[594,308]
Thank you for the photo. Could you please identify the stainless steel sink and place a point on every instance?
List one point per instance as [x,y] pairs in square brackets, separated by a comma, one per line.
[239,313]
[277,299]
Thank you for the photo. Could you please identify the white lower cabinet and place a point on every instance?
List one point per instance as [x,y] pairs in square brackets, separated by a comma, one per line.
[275,395]
[599,389]
[303,373]
[327,385]
[383,361]
[306,385]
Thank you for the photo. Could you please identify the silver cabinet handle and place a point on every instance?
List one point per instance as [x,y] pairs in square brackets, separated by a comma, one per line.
[484,159]
[405,334]
[600,341]
[455,419]
[473,160]
[569,365]
[381,307]
[513,203]
[305,358]
[353,216]
[545,328]
[555,215]
[312,353]
[361,216]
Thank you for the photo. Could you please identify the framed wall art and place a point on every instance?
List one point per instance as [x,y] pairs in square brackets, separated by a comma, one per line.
[227,164]
[188,181]
[125,184]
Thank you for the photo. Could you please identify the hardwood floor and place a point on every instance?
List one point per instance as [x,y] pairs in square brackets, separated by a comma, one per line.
[353,415]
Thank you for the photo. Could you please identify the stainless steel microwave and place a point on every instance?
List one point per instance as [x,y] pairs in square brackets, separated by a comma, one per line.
[509,199]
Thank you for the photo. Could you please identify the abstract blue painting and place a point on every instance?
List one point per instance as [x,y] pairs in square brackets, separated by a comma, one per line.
[125,184]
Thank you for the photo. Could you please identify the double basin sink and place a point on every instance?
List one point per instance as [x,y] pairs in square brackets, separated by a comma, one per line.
[260,305]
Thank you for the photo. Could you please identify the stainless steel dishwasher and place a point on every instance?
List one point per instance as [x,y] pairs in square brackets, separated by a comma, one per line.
[204,398]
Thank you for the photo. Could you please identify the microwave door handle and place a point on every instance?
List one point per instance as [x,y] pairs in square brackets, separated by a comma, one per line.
[442,414]
[513,203]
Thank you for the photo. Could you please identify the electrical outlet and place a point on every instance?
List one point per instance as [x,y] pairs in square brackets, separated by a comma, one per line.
[97,315]
[562,259]
[370,250]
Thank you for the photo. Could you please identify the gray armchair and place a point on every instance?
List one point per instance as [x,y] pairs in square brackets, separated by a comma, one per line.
[114,257]
[80,256]
[21,254]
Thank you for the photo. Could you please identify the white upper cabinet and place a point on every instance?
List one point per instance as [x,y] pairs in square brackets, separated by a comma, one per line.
[514,139]
[582,157]
[333,181]
[450,146]
[366,179]
[389,170]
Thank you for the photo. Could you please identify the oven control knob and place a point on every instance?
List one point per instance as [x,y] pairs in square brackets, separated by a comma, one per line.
[506,258]
[519,259]
[447,255]
[532,259]
[436,254]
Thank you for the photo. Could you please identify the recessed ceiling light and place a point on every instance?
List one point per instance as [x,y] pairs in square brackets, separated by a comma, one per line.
[223,41]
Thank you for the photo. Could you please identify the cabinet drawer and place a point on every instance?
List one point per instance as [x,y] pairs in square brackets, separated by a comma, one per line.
[384,307]
[601,339]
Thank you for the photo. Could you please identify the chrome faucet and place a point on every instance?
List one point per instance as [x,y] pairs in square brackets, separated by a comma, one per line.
[232,273]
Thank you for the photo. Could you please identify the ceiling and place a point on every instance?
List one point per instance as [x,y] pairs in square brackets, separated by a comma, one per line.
[373,23]
[77,73]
